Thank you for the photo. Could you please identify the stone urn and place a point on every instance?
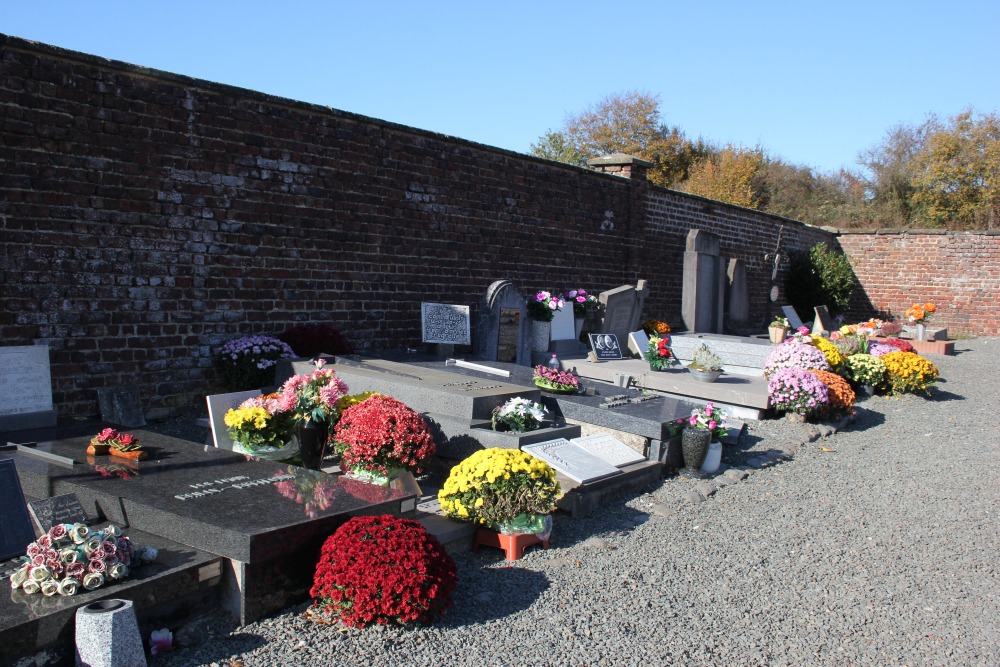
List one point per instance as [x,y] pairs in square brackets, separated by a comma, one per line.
[694,446]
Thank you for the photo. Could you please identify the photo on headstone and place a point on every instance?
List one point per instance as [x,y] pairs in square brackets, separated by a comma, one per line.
[605,347]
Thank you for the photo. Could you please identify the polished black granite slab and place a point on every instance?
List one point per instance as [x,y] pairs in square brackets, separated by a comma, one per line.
[225,503]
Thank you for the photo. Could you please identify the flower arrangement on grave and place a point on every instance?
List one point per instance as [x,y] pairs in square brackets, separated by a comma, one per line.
[658,352]
[909,372]
[654,327]
[791,354]
[543,305]
[259,423]
[833,356]
[554,379]
[889,329]
[494,487]
[841,396]
[798,391]
[584,304]
[248,362]
[801,335]
[124,445]
[848,344]
[381,437]
[920,313]
[382,569]
[779,323]
[518,415]
[312,489]
[312,397]
[900,344]
[864,369]
[72,556]
[704,359]
[710,418]
[878,348]
[312,339]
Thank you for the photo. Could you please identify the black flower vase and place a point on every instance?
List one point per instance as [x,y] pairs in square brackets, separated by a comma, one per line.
[694,445]
[312,443]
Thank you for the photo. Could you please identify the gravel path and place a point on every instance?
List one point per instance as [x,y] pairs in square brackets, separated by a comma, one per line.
[875,546]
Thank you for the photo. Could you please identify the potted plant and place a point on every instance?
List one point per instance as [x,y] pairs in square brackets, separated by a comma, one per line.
[381,438]
[555,381]
[798,393]
[909,372]
[841,395]
[701,439]
[508,492]
[123,445]
[541,308]
[654,327]
[791,354]
[778,329]
[658,353]
[382,569]
[585,306]
[312,398]
[705,366]
[260,427]
[867,372]
[248,362]
[920,315]
[518,415]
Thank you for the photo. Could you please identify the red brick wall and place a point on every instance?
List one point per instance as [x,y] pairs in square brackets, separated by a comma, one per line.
[958,271]
[147,218]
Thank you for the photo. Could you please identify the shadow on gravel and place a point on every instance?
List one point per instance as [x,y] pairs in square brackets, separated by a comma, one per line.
[498,593]
[939,395]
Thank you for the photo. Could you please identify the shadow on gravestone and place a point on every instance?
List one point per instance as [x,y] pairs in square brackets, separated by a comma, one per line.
[737,299]
[121,405]
[503,330]
[16,532]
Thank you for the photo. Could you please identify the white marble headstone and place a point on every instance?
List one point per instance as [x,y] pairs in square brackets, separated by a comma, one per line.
[609,448]
[563,327]
[638,342]
[571,460]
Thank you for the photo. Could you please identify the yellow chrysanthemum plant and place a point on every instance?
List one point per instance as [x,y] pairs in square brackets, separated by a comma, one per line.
[500,487]
[830,351]
[259,424]
[909,372]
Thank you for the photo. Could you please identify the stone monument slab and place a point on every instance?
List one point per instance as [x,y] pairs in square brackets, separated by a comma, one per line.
[121,405]
[445,323]
[571,460]
[503,330]
[25,388]
[793,318]
[15,526]
[823,322]
[218,406]
[738,295]
[638,343]
[563,324]
[703,284]
[622,309]
[609,448]
[53,511]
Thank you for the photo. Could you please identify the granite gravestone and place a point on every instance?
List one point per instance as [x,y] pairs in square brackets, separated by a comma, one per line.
[503,329]
[571,460]
[738,296]
[638,343]
[25,388]
[57,510]
[622,309]
[121,406]
[703,286]
[15,527]
[823,323]
[445,324]
[794,321]
[609,448]
[604,347]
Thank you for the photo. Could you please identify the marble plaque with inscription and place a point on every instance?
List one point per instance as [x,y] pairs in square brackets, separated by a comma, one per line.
[25,382]
[571,460]
[57,510]
[609,448]
[445,323]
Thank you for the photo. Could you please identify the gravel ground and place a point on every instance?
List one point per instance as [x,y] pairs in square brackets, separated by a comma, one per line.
[876,545]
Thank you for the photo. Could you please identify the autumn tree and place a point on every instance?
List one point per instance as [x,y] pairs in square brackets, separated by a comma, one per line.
[629,123]
[734,174]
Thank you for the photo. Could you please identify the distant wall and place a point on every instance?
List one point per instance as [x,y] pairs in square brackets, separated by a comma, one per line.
[148,217]
[958,271]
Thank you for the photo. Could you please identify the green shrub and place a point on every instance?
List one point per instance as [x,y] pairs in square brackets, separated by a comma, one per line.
[819,277]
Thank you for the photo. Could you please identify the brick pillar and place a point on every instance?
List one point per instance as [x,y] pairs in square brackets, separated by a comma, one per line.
[620,164]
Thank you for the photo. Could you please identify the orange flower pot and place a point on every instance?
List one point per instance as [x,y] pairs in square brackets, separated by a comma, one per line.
[513,545]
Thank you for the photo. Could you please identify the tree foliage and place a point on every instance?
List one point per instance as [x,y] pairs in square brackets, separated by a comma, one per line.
[820,277]
[734,175]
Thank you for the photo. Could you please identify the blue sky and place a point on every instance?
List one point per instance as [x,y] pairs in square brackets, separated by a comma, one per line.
[814,83]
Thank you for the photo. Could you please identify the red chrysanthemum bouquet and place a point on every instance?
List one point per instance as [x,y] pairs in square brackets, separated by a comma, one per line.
[381,569]
[380,436]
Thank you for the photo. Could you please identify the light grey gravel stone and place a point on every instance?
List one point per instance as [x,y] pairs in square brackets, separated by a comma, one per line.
[694,497]
[706,488]
[883,553]
[736,474]
[723,481]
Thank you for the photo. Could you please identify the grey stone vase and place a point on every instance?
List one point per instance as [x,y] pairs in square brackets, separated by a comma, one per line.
[694,446]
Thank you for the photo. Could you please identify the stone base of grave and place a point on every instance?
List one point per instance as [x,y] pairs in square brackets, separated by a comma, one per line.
[181,583]
[581,500]
[741,355]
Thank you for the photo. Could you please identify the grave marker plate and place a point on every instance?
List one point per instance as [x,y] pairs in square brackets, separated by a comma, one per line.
[605,347]
[793,318]
[218,405]
[25,388]
[572,460]
[445,323]
[609,448]
[823,321]
[638,343]
[56,510]
[15,527]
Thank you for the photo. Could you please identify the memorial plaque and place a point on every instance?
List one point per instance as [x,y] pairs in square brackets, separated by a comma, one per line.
[638,343]
[446,324]
[571,460]
[25,388]
[218,406]
[121,405]
[56,510]
[605,347]
[609,448]
[793,318]
[563,324]
[15,527]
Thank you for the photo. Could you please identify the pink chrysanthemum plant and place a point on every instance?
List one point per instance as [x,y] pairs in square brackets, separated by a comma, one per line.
[312,397]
